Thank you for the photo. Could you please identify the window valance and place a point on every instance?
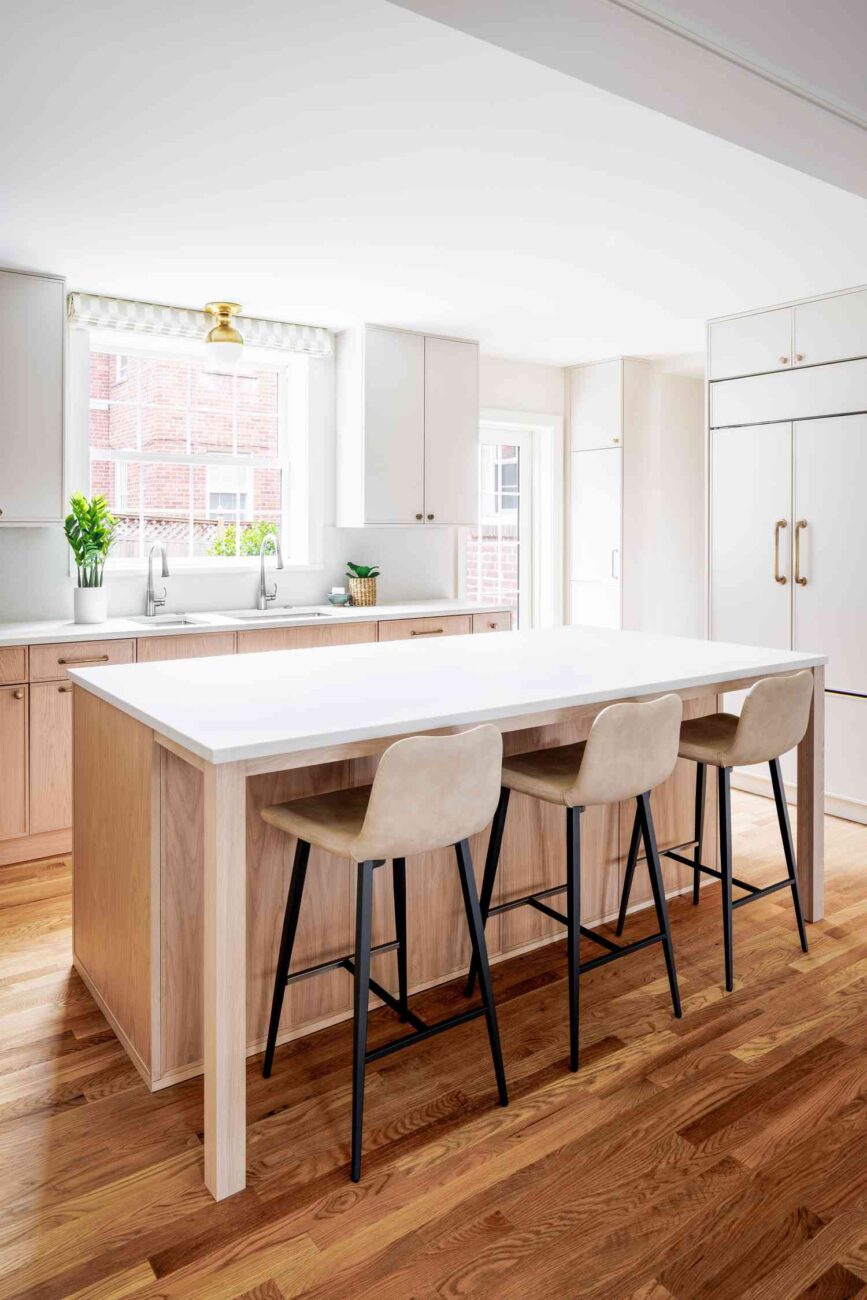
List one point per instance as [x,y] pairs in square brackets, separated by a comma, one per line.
[188,323]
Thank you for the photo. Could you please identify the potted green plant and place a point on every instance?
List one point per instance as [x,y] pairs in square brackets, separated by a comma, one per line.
[362,583]
[90,531]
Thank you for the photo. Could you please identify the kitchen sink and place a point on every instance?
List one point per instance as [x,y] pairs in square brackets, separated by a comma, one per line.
[168,620]
[278,612]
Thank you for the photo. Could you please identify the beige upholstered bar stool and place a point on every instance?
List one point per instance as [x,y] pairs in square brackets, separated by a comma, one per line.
[631,748]
[774,718]
[429,792]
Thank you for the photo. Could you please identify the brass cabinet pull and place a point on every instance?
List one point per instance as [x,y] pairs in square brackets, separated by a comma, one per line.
[802,523]
[430,516]
[96,659]
[434,631]
[799,356]
[64,689]
[18,695]
[778,577]
[784,361]
[419,516]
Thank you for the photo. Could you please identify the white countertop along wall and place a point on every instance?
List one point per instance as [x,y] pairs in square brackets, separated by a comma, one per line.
[256,705]
[60,630]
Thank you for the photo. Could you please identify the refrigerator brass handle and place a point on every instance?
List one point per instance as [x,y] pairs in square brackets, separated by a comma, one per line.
[434,631]
[96,659]
[778,577]
[802,523]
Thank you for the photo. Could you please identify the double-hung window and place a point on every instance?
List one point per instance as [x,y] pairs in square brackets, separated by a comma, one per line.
[187,455]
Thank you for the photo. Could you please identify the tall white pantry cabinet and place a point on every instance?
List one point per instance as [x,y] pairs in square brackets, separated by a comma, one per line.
[787,405]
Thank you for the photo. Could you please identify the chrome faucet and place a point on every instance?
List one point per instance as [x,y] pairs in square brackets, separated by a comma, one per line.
[153,602]
[264,594]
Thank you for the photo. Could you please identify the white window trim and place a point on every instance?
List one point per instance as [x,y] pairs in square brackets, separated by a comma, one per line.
[546,536]
[302,505]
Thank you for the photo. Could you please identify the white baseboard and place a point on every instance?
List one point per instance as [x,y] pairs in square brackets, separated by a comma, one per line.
[851,810]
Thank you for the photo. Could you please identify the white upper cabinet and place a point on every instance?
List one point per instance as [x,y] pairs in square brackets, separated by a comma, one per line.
[596,405]
[750,345]
[31,398]
[806,393]
[393,427]
[407,428]
[831,329]
[451,431]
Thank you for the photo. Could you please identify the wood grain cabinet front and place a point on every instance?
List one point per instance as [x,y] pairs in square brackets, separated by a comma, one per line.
[50,756]
[305,638]
[13,761]
[13,664]
[501,621]
[193,646]
[51,662]
[406,629]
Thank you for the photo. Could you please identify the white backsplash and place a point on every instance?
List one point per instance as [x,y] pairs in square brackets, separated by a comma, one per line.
[416,564]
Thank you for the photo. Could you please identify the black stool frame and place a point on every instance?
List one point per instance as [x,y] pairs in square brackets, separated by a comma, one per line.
[572,919]
[753,892]
[358,965]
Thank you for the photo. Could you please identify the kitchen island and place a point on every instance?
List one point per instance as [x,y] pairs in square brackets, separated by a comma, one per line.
[179,885]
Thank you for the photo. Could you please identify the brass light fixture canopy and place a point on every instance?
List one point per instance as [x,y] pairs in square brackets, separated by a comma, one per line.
[224,331]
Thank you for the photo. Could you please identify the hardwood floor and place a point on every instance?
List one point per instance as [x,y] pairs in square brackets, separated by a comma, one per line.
[724,1155]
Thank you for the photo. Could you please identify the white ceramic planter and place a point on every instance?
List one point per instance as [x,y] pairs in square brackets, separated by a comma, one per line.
[90,604]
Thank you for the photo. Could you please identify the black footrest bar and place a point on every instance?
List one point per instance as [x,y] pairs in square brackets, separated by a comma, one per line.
[525,900]
[622,951]
[397,1044]
[339,963]
[763,893]
[709,871]
[389,999]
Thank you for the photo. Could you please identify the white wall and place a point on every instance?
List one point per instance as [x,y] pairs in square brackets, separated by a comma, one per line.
[416,563]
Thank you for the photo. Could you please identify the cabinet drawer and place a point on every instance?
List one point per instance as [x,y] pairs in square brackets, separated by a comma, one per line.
[804,394]
[48,662]
[50,756]
[499,622]
[192,646]
[13,761]
[13,664]
[305,638]
[403,629]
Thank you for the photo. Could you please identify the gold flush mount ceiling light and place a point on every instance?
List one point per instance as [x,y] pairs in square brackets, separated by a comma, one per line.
[224,343]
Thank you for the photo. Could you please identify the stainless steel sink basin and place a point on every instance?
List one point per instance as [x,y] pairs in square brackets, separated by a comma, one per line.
[282,614]
[168,620]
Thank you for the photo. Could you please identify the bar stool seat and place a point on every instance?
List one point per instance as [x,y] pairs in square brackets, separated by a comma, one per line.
[330,821]
[709,739]
[546,774]
[429,793]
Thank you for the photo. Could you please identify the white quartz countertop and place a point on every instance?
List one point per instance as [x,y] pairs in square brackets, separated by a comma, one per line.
[61,630]
[256,705]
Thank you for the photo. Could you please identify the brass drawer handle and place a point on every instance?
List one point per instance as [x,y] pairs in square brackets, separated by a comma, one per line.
[63,689]
[96,659]
[778,577]
[434,631]
[493,626]
[802,523]
[18,695]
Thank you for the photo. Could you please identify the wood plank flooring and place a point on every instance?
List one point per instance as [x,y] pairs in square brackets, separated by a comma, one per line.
[724,1155]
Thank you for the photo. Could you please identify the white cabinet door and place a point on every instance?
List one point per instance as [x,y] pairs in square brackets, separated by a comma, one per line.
[831,329]
[846,755]
[393,427]
[596,405]
[31,398]
[595,532]
[808,393]
[751,475]
[750,345]
[451,431]
[831,606]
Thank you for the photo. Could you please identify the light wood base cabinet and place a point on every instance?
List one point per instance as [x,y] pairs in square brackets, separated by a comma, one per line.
[13,761]
[50,756]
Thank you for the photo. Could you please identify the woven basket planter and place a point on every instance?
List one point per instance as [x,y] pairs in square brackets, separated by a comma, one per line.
[362,591]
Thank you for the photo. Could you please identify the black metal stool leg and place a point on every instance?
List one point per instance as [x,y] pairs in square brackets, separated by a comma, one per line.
[725,866]
[698,829]
[480,955]
[492,862]
[788,848]
[363,915]
[631,859]
[398,881]
[658,886]
[573,928]
[287,942]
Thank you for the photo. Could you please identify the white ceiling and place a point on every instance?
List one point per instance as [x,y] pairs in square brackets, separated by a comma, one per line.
[352,161]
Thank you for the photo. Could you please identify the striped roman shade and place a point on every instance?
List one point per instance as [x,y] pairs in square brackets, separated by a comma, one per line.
[188,323]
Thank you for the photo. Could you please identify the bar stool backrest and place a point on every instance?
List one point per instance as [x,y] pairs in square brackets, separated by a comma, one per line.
[430,792]
[630,749]
[773,719]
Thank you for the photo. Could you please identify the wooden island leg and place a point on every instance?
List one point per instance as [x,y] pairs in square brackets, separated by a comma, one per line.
[225,990]
[811,806]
